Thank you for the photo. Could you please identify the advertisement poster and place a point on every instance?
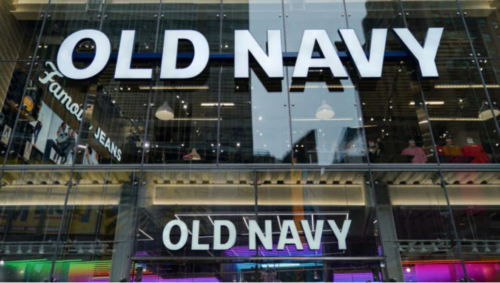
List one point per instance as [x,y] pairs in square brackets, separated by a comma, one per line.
[53,137]
[7,131]
[90,157]
[27,151]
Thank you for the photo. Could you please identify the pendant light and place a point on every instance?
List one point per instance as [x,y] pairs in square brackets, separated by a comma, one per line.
[485,111]
[164,112]
[324,111]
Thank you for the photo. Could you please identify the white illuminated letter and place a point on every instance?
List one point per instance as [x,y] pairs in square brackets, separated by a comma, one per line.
[313,242]
[289,225]
[231,240]
[305,61]
[65,54]
[169,60]
[266,240]
[341,235]
[424,55]
[371,68]
[183,238]
[245,43]
[124,61]
[195,238]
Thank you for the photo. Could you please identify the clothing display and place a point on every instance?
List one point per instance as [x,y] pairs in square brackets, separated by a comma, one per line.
[440,150]
[417,152]
[453,150]
[476,151]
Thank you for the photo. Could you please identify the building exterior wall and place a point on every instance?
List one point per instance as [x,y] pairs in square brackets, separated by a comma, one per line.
[413,162]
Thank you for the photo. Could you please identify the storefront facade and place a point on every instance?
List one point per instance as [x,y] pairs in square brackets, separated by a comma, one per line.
[307,161]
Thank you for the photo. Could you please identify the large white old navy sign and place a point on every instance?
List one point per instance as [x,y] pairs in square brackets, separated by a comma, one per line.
[312,236]
[271,61]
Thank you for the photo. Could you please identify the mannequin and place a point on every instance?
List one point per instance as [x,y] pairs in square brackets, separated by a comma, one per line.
[475,150]
[417,152]
[451,149]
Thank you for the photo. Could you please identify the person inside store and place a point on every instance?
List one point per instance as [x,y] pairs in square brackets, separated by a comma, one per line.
[418,153]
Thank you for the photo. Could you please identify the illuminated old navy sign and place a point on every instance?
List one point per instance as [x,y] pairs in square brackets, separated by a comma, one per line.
[266,237]
[271,61]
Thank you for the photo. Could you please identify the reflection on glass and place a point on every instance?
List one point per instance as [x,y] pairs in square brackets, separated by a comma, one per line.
[416,228]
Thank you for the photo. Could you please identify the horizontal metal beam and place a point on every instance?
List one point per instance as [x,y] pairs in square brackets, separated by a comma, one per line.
[260,258]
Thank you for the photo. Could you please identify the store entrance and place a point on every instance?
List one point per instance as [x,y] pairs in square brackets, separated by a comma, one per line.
[236,270]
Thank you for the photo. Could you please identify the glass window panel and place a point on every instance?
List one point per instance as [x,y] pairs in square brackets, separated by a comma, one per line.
[326,123]
[141,16]
[463,128]
[183,119]
[395,121]
[202,16]
[48,126]
[64,18]
[365,15]
[422,15]
[12,85]
[482,19]
[416,228]
[31,210]
[308,14]
[183,195]
[97,236]
[315,197]
[20,29]
[474,202]
[114,120]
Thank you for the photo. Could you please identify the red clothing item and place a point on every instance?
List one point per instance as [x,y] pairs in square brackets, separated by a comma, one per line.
[440,150]
[476,151]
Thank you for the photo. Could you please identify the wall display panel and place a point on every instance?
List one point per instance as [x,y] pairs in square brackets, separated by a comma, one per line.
[474,203]
[47,128]
[416,227]
[98,232]
[459,112]
[31,213]
[21,28]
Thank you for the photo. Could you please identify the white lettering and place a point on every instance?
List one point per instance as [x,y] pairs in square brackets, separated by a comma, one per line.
[305,61]
[124,61]
[231,240]
[313,243]
[266,240]
[286,226]
[366,68]
[169,60]
[195,245]
[341,235]
[424,55]
[183,235]
[65,54]
[245,43]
